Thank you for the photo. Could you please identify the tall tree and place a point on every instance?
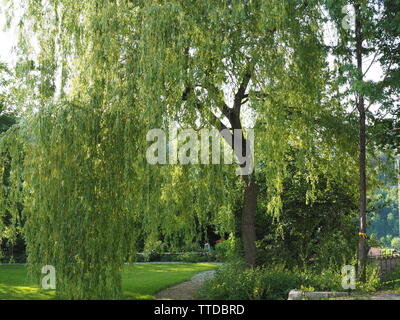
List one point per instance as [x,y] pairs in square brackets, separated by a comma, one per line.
[360,102]
[358,50]
[125,67]
[267,55]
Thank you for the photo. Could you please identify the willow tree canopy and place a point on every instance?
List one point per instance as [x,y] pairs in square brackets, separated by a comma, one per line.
[109,71]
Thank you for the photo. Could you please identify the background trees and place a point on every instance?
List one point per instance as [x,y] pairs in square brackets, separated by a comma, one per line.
[7,119]
[384,202]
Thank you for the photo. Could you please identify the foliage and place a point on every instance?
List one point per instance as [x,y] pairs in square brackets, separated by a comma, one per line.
[106,73]
[234,282]
[383,208]
[9,234]
[321,233]
[387,252]
[373,281]
[379,27]
[227,250]
[395,243]
[195,257]
[155,250]
[355,44]
[7,115]
[188,257]
[387,125]
[152,250]
[273,282]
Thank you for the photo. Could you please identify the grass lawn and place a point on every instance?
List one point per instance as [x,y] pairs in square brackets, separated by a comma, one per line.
[140,281]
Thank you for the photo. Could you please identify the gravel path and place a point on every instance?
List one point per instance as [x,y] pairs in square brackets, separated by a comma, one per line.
[185,290]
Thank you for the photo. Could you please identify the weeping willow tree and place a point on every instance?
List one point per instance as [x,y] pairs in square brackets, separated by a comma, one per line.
[109,71]
[255,62]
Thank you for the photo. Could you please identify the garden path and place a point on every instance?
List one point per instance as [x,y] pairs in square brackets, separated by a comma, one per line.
[186,290]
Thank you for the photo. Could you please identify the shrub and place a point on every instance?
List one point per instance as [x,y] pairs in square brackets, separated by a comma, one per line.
[326,280]
[387,252]
[231,282]
[152,251]
[169,257]
[194,257]
[190,257]
[395,243]
[140,257]
[227,250]
[373,281]
[234,282]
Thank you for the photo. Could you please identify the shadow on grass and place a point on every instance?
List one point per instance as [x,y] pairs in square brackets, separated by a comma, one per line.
[8,292]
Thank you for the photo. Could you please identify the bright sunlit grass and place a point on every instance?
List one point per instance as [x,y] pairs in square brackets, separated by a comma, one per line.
[140,281]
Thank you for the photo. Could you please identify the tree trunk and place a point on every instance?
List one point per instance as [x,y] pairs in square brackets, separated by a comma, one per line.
[362,248]
[248,221]
[362,245]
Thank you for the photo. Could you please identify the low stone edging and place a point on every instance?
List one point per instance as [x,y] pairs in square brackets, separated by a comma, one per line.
[299,295]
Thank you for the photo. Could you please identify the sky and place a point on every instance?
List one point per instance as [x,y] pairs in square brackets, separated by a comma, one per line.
[8,39]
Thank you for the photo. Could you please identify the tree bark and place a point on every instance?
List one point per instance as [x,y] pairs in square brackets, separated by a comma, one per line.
[362,248]
[362,245]
[248,228]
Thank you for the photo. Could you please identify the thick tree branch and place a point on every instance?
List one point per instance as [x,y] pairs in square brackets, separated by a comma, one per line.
[241,93]
[215,121]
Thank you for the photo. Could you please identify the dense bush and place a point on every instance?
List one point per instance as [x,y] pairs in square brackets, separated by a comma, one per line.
[12,249]
[313,230]
[227,250]
[152,251]
[192,257]
[195,257]
[395,243]
[234,282]
[158,251]
[373,281]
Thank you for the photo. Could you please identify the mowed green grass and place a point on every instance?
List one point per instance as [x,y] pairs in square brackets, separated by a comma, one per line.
[139,281]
